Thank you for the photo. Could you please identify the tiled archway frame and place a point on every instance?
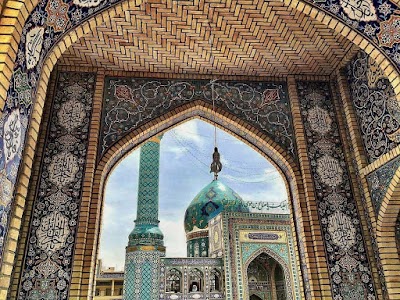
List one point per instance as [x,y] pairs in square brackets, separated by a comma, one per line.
[279,260]
[251,136]
[26,93]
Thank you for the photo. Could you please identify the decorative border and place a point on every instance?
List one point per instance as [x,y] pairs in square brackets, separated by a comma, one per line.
[48,259]
[347,260]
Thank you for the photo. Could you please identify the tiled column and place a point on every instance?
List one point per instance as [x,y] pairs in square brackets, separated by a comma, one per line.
[145,246]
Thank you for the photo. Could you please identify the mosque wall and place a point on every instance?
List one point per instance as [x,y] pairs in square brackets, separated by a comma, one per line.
[123,100]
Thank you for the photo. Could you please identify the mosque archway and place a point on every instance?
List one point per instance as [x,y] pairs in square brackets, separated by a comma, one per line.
[134,139]
[215,278]
[43,69]
[268,276]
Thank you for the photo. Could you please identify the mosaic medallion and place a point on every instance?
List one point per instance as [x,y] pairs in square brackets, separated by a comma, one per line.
[71,114]
[63,169]
[12,137]
[342,231]
[319,120]
[52,232]
[329,170]
[34,44]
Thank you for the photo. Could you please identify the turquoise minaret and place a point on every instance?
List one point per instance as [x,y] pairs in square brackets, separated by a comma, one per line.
[145,245]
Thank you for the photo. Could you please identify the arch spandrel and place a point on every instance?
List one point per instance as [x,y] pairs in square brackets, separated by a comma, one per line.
[278,156]
[131,102]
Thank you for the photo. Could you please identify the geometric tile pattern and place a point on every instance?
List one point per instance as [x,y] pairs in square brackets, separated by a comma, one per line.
[130,102]
[146,281]
[142,275]
[175,38]
[349,269]
[147,212]
[379,180]
[53,227]
[376,106]
[129,281]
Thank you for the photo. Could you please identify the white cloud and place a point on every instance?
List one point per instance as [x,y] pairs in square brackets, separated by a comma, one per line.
[177,151]
[189,131]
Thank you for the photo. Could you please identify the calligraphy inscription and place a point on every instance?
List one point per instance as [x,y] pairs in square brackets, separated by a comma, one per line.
[342,231]
[12,135]
[53,232]
[34,43]
[63,169]
[263,236]
[71,114]
[360,10]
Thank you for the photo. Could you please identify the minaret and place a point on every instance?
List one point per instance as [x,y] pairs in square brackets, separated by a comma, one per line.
[145,246]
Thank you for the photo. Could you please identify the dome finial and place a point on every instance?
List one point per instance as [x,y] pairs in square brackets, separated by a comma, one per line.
[216,165]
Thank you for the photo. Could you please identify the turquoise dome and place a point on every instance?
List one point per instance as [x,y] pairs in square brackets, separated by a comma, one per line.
[213,199]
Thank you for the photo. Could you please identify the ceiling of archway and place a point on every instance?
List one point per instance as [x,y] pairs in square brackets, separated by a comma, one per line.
[253,38]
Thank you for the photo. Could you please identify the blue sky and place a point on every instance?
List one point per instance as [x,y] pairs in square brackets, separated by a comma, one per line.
[185,160]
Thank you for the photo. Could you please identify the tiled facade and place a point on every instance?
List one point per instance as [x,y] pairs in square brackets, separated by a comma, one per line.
[319,125]
[34,34]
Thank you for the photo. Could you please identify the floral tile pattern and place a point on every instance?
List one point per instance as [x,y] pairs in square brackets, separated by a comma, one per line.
[46,270]
[131,102]
[347,260]
[376,106]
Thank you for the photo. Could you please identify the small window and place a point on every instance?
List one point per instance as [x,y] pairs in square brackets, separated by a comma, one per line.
[195,281]
[173,283]
[215,281]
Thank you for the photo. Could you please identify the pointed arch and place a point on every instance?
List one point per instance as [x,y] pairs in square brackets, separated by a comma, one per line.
[279,260]
[196,109]
[173,281]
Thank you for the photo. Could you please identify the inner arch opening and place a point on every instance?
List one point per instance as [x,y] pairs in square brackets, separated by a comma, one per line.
[185,159]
